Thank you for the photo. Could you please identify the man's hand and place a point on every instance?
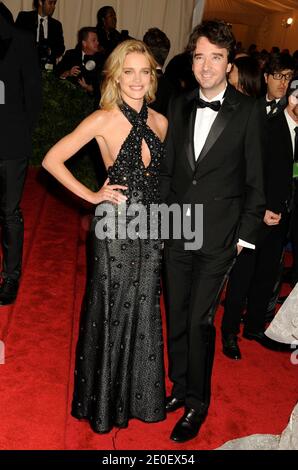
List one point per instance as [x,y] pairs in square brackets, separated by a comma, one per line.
[85,86]
[73,72]
[270,218]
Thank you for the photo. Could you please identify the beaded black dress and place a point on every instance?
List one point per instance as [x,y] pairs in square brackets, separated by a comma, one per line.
[119,365]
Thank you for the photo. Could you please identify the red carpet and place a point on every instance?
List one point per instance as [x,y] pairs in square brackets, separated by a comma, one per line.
[254,395]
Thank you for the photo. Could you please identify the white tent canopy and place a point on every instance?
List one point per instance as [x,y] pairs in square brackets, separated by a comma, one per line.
[258,21]
[174,17]
[254,21]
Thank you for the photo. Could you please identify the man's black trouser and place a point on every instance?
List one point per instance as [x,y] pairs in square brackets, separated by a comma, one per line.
[12,179]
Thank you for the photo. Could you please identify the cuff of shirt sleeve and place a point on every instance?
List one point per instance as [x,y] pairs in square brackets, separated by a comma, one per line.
[246,244]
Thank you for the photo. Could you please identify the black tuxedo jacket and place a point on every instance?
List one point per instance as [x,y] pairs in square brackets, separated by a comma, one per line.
[21,86]
[278,164]
[227,178]
[73,57]
[28,20]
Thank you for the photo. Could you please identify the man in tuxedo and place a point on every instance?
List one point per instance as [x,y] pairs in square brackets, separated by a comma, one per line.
[47,31]
[255,272]
[20,105]
[83,65]
[278,73]
[213,158]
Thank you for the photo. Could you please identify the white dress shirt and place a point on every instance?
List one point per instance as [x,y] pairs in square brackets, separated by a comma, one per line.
[205,117]
[292,125]
[45,27]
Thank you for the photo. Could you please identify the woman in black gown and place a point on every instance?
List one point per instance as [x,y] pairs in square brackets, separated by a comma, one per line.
[119,366]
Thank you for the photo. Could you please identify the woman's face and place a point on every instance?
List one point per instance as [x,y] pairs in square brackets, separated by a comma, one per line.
[135,78]
[234,77]
[110,20]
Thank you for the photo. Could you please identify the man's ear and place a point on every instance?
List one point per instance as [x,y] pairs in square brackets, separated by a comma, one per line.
[229,67]
[266,77]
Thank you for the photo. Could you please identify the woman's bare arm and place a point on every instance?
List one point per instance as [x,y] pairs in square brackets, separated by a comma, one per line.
[66,148]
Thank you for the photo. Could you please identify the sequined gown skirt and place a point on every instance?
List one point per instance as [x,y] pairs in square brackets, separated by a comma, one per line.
[119,370]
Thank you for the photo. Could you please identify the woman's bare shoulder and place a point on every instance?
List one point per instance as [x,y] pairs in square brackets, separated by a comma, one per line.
[160,121]
[101,116]
[101,120]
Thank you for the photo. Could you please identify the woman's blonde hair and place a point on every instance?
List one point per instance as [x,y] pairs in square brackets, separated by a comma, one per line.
[110,90]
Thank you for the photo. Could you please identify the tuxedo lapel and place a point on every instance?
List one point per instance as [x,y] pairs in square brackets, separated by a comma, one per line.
[188,121]
[224,115]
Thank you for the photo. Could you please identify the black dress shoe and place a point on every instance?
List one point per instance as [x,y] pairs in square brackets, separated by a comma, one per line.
[268,343]
[8,291]
[287,276]
[172,404]
[230,346]
[188,426]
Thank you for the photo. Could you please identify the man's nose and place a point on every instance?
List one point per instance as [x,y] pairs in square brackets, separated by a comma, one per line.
[206,64]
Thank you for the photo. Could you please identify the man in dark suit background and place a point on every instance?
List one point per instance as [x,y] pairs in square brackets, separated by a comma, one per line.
[83,65]
[20,85]
[213,158]
[255,272]
[47,31]
[278,73]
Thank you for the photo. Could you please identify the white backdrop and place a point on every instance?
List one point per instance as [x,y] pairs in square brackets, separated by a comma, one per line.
[174,17]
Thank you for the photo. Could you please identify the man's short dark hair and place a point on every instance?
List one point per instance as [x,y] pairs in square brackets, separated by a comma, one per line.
[36,4]
[279,62]
[102,13]
[84,33]
[217,32]
[158,43]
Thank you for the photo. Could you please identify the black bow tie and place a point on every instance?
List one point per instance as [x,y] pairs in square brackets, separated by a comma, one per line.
[273,105]
[215,105]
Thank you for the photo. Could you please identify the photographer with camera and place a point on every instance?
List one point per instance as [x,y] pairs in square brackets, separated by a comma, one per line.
[83,65]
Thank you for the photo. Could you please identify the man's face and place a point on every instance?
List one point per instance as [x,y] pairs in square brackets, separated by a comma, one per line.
[110,20]
[90,45]
[276,86]
[47,8]
[210,66]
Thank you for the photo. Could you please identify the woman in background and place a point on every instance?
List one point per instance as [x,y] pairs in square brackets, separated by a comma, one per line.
[245,76]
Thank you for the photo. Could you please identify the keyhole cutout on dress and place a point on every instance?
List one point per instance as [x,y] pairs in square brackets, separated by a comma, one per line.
[145,154]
